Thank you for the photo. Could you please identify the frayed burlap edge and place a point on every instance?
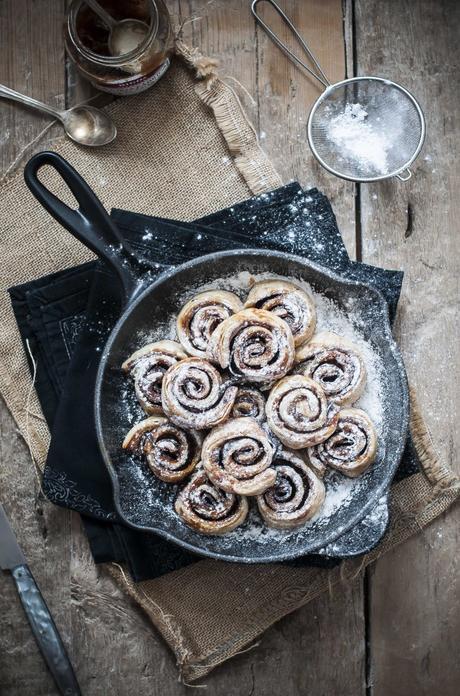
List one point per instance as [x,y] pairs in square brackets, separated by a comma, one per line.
[251,162]
[238,131]
[414,503]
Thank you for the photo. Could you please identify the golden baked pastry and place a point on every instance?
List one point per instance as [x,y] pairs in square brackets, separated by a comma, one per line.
[193,395]
[336,364]
[171,452]
[298,412]
[353,446]
[288,302]
[237,456]
[295,497]
[253,344]
[147,367]
[208,509]
[198,319]
[249,401]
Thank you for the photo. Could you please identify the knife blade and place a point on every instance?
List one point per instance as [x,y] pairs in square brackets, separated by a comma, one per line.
[10,551]
[41,622]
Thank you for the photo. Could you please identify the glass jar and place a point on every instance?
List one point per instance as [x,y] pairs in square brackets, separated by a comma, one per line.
[87,45]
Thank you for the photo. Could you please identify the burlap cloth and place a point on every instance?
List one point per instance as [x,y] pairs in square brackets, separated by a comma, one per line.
[171,159]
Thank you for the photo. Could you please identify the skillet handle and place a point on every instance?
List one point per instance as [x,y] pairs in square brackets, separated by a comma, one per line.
[89,223]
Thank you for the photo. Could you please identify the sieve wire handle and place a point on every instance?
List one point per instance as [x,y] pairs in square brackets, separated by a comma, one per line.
[405,175]
[319,75]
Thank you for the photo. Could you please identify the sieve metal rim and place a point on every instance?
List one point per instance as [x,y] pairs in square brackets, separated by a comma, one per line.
[365,180]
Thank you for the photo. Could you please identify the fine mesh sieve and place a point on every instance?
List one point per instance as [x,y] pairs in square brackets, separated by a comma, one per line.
[362,129]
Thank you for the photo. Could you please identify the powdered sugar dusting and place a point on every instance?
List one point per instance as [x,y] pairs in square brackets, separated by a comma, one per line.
[340,490]
[358,140]
[329,317]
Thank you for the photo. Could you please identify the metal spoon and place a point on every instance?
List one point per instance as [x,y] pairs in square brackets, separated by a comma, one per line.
[84,124]
[124,36]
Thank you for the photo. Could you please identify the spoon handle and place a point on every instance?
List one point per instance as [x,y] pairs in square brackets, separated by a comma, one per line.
[101,13]
[28,101]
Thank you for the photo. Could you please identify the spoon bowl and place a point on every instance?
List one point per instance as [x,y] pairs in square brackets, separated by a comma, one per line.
[84,124]
[88,126]
[126,35]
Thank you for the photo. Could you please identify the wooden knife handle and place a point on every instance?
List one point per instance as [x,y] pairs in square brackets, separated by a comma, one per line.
[45,631]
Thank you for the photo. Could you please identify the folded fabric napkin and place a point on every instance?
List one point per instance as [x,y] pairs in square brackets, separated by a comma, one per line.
[66,317]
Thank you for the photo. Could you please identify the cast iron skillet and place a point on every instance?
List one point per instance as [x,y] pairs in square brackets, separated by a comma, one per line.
[142,501]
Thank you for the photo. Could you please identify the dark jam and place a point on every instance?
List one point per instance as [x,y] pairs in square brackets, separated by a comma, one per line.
[92,31]
[87,43]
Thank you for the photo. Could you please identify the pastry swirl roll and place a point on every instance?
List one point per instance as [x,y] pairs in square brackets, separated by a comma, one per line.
[249,402]
[147,367]
[295,497]
[289,303]
[237,456]
[208,509]
[198,319]
[253,344]
[336,364]
[298,412]
[353,446]
[193,395]
[171,452]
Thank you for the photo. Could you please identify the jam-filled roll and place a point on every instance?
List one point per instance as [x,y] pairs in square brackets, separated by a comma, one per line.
[194,395]
[254,345]
[351,449]
[237,456]
[199,318]
[208,509]
[296,495]
[171,452]
[249,402]
[288,302]
[336,364]
[147,367]
[298,412]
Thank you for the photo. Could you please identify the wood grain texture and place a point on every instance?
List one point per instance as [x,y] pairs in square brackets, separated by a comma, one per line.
[30,35]
[321,649]
[415,589]
[286,93]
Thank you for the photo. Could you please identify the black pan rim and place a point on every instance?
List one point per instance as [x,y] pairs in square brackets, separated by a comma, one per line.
[380,490]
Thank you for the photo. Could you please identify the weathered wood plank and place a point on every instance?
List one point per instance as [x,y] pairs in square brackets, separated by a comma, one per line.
[44,535]
[332,625]
[31,61]
[415,589]
[286,94]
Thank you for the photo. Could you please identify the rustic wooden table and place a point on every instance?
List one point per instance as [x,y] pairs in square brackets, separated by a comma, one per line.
[396,632]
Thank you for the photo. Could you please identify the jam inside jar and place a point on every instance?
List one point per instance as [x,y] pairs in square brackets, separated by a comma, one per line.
[87,43]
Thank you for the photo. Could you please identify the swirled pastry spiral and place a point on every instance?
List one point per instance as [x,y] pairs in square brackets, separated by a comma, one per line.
[208,509]
[288,302]
[298,412]
[237,456]
[296,495]
[198,319]
[336,364]
[193,395]
[170,452]
[353,446]
[249,402]
[147,367]
[253,344]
